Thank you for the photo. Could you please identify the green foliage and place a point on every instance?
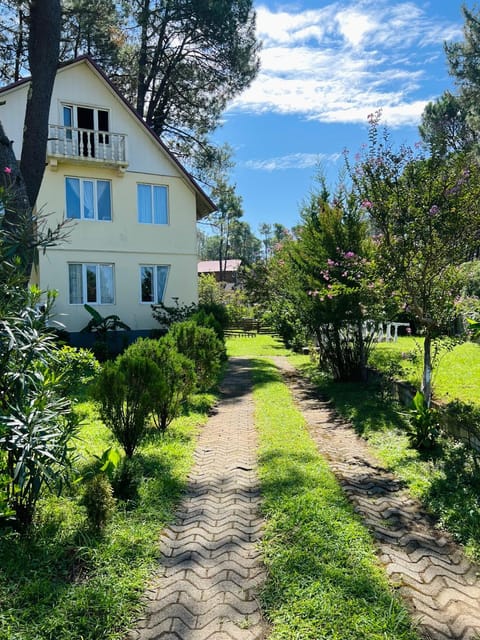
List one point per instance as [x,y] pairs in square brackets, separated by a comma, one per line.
[102,324]
[98,501]
[339,289]
[127,479]
[171,381]
[36,422]
[75,368]
[201,345]
[167,316]
[444,127]
[463,64]
[205,318]
[210,291]
[423,424]
[425,217]
[123,391]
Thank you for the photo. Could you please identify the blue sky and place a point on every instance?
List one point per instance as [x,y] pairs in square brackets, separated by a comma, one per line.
[325,66]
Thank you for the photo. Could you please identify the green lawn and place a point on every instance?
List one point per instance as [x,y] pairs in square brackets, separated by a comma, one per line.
[456,374]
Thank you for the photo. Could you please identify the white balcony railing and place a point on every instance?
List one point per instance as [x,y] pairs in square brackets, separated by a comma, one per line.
[86,145]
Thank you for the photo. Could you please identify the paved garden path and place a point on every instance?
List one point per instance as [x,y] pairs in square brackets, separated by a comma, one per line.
[441,587]
[210,568]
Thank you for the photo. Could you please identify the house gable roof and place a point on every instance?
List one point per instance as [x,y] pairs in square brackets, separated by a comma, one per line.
[204,205]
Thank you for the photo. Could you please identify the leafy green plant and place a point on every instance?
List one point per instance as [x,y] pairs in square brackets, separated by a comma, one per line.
[174,378]
[102,324]
[124,398]
[36,438]
[98,501]
[126,479]
[102,327]
[36,422]
[167,315]
[75,368]
[422,424]
[202,346]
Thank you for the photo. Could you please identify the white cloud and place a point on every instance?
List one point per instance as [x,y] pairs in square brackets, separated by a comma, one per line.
[292,161]
[342,61]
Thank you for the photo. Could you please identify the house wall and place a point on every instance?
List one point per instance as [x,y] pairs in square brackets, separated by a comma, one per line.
[122,241]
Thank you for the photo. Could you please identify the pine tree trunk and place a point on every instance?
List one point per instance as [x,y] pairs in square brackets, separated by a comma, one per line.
[43,53]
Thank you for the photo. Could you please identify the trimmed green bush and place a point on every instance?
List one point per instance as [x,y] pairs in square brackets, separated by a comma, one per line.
[98,501]
[75,368]
[202,346]
[174,378]
[123,391]
[127,479]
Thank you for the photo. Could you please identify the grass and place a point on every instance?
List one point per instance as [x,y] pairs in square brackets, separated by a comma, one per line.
[65,582]
[259,345]
[324,581]
[456,375]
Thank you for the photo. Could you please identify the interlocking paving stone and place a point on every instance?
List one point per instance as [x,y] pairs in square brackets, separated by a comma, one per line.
[210,567]
[440,586]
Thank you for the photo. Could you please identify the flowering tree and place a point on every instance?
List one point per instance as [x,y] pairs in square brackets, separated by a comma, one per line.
[340,293]
[425,219]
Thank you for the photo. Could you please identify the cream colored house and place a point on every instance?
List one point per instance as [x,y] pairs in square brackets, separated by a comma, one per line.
[132,205]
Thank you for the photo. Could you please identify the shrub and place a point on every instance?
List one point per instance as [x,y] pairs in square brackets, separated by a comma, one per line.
[36,422]
[98,501]
[423,424]
[127,479]
[75,368]
[174,379]
[202,346]
[167,316]
[124,395]
[207,319]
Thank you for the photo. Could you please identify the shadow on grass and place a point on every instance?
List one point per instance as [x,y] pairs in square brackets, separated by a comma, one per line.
[454,494]
[289,477]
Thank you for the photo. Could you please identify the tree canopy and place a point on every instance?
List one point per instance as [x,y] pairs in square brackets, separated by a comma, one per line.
[179,62]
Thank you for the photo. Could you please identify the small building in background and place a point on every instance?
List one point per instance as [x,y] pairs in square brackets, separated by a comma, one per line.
[228,273]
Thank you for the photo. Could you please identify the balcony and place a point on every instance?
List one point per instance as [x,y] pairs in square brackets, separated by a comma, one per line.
[86,146]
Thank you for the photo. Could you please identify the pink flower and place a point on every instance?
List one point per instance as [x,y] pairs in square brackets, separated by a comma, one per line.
[330,262]
[434,210]
[367,204]
[349,254]
[7,170]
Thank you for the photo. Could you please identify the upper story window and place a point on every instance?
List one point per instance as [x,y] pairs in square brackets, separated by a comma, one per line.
[91,283]
[152,204]
[80,121]
[88,199]
[86,118]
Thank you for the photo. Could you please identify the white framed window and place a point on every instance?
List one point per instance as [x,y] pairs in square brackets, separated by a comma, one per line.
[153,282]
[152,204]
[86,118]
[88,199]
[91,283]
